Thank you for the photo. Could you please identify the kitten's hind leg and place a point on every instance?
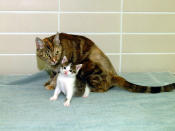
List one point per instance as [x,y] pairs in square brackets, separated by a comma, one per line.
[86,92]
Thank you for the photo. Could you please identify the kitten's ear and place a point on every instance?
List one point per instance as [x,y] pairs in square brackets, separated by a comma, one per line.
[78,67]
[39,43]
[57,39]
[64,60]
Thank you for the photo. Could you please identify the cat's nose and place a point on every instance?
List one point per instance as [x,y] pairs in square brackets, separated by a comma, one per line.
[54,60]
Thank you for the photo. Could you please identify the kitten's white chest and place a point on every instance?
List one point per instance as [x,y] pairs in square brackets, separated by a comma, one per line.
[66,83]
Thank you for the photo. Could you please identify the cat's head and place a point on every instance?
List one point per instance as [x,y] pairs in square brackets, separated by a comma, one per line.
[69,69]
[49,49]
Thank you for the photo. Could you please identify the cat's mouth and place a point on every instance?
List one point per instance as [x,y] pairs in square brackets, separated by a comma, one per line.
[53,63]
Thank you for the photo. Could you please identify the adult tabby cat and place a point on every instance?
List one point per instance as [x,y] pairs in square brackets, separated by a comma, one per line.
[97,71]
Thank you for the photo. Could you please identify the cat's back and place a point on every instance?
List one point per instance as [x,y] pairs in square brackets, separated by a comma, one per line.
[87,49]
[78,40]
[75,47]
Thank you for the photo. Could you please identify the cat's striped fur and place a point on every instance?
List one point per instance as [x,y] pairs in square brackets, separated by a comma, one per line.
[97,71]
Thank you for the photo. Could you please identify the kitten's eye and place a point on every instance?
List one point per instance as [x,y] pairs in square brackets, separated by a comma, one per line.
[64,67]
[70,70]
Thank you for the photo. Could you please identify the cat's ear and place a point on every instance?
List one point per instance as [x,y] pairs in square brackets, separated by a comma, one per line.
[78,67]
[57,39]
[64,60]
[39,43]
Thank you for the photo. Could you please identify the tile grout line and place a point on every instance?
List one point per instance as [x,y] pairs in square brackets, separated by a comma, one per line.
[85,12]
[90,33]
[163,53]
[109,54]
[153,13]
[148,33]
[121,36]
[17,54]
[59,15]
[26,33]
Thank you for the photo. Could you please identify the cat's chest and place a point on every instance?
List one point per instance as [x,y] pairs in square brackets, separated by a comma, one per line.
[66,84]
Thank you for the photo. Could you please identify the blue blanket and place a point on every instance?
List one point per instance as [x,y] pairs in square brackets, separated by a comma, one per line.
[25,106]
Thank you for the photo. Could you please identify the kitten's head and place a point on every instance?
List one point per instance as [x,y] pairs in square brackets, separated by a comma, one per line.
[49,49]
[69,69]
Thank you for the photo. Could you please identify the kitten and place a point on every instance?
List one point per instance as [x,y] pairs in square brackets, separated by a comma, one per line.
[66,81]
[97,69]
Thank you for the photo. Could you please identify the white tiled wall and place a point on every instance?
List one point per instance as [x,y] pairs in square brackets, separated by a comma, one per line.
[137,35]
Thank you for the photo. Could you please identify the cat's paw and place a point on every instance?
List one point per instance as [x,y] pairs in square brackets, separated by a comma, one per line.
[53,98]
[85,96]
[67,103]
[47,83]
[50,87]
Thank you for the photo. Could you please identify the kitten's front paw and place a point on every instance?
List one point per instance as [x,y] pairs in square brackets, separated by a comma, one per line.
[49,87]
[67,103]
[53,98]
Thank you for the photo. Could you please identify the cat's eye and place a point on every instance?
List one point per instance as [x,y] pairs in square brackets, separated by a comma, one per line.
[64,67]
[47,55]
[57,52]
[70,70]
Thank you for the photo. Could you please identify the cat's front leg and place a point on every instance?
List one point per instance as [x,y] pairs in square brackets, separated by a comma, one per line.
[56,94]
[68,98]
[48,85]
[51,84]
[52,74]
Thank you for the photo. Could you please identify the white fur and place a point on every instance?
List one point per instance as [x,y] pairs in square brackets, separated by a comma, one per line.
[66,85]
[87,91]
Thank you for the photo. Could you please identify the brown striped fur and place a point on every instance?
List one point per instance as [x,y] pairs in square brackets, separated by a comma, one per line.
[97,71]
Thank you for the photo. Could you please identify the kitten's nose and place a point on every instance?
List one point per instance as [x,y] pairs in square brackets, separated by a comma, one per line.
[65,72]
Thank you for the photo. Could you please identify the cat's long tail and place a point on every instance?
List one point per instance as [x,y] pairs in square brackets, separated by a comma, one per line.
[123,83]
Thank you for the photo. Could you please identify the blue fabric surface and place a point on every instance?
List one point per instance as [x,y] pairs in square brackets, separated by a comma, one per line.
[25,106]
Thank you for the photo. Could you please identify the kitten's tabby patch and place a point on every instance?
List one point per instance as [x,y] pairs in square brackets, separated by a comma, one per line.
[97,71]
